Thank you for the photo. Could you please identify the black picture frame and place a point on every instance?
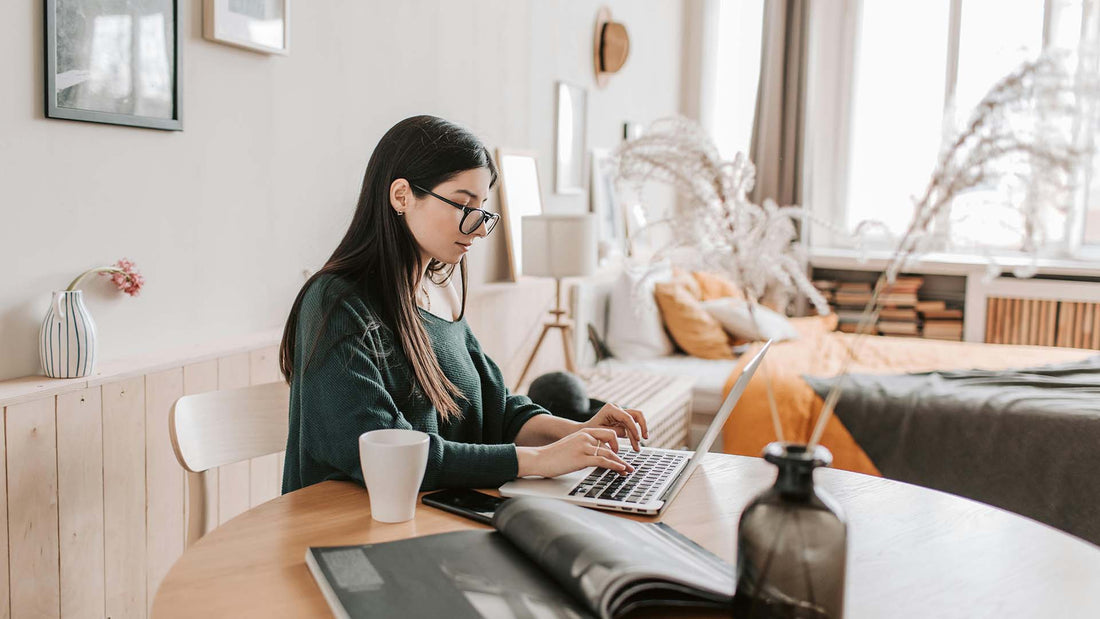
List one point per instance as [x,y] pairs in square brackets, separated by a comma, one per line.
[53,110]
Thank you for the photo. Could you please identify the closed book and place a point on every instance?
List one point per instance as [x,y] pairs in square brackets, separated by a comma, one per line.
[854,286]
[930,306]
[546,558]
[944,313]
[852,298]
[932,328]
[898,314]
[948,338]
[900,299]
[897,328]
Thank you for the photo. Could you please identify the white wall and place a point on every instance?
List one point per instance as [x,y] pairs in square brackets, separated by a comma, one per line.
[223,217]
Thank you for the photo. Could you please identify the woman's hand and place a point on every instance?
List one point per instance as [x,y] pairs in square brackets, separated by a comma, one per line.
[624,422]
[581,449]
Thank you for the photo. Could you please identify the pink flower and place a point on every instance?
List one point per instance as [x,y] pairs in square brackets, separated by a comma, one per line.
[126,277]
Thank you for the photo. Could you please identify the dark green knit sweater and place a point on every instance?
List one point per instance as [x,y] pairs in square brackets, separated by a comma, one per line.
[359,379]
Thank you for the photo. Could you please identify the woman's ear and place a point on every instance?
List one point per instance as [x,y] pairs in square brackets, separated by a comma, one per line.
[400,195]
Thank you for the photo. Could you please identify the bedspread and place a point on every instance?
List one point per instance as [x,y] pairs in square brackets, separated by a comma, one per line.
[749,428]
[1022,440]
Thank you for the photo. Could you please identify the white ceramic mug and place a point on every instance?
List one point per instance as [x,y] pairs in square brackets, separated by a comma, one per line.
[393,464]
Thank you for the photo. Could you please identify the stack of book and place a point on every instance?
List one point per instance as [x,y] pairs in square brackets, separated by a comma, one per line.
[899,321]
[898,317]
[846,299]
[902,313]
[941,322]
[902,293]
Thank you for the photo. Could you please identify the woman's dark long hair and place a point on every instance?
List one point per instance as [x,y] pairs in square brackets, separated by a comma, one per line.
[378,255]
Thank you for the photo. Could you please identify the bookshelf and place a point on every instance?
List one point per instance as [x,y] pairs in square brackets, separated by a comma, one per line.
[917,305]
[1051,309]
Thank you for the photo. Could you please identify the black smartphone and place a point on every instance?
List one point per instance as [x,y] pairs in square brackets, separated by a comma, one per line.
[469,503]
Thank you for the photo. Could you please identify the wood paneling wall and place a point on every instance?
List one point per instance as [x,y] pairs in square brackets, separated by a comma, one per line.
[94,513]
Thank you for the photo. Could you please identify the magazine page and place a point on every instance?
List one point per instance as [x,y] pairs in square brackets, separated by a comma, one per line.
[598,556]
[458,575]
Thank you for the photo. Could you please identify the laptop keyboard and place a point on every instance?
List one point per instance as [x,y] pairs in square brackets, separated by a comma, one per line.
[651,469]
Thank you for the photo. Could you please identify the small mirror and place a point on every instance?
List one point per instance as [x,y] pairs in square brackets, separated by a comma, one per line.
[570,142]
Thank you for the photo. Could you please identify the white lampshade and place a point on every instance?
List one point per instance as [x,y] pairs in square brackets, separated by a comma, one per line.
[559,245]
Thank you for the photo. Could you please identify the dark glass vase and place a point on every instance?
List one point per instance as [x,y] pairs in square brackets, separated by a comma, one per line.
[792,542]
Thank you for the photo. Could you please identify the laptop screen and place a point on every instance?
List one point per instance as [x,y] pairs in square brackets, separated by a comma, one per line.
[731,401]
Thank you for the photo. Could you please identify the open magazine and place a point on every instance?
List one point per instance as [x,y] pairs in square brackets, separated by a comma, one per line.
[547,558]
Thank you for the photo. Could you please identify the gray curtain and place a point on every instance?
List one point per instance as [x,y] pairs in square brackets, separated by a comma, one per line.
[778,132]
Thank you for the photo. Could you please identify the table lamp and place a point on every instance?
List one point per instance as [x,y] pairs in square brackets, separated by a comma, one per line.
[558,246]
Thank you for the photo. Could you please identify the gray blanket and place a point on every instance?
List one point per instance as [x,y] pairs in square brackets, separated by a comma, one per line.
[1024,440]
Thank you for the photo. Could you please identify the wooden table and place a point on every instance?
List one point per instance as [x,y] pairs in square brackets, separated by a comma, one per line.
[913,552]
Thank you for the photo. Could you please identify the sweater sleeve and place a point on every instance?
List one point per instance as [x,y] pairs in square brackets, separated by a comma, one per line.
[512,410]
[344,395]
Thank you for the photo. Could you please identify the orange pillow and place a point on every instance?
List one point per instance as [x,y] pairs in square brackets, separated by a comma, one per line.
[691,327]
[714,286]
[688,282]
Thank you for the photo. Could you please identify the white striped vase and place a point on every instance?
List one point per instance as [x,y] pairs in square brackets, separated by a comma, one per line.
[68,342]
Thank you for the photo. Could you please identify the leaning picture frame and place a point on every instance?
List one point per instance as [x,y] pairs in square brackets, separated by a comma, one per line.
[604,203]
[520,196]
[115,63]
[255,25]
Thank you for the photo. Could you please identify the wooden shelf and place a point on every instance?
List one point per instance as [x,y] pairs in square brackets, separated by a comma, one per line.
[28,388]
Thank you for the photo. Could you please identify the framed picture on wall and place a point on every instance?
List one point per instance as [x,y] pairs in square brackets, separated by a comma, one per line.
[520,195]
[114,62]
[256,25]
[610,222]
[570,142]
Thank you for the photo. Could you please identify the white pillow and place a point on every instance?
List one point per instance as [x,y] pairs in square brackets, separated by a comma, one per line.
[634,326]
[733,314]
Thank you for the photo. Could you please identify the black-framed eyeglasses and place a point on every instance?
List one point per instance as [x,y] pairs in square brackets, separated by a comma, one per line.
[469,224]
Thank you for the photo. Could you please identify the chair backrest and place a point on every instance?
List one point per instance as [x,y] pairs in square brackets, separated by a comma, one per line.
[222,427]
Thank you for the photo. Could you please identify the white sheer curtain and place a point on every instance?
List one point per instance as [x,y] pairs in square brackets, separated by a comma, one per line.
[722,69]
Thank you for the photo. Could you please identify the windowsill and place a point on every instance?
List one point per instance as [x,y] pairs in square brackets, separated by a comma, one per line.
[946,263]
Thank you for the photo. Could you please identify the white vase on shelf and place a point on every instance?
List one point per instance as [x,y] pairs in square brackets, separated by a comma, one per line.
[67,341]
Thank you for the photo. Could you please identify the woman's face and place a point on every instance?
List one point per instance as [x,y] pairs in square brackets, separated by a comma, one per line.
[434,223]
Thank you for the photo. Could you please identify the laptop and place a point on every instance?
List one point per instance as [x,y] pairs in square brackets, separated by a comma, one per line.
[658,475]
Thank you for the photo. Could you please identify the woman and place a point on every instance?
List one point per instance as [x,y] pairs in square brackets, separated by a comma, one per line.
[377,338]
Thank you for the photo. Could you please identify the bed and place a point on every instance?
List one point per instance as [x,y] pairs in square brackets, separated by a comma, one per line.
[750,427]
[1039,483]
[818,352]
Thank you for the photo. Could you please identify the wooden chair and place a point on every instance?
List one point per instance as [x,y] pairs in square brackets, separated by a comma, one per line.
[223,427]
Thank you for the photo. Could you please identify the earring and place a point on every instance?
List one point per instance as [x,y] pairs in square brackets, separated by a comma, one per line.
[400,213]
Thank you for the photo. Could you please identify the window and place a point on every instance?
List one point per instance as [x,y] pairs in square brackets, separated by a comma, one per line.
[917,70]
[897,99]
[737,74]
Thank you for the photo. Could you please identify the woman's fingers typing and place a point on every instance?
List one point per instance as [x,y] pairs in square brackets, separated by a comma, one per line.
[605,436]
[582,449]
[639,418]
[626,423]
[604,450]
[607,456]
